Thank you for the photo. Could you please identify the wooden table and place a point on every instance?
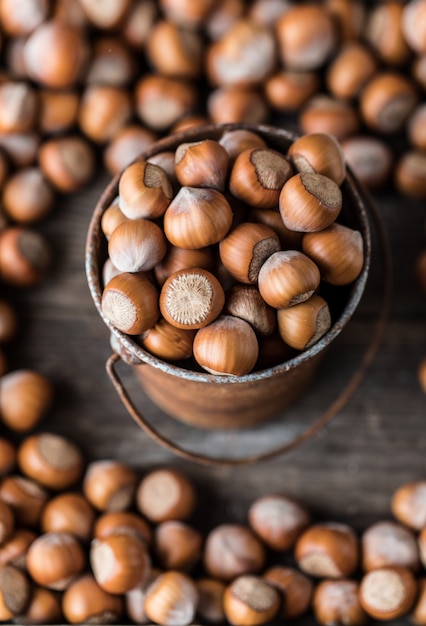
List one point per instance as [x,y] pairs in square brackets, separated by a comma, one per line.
[346,473]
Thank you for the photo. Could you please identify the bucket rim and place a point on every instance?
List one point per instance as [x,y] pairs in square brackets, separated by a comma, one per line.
[140,356]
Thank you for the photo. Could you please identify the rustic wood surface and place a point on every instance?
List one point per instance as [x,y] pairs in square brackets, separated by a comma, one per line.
[346,473]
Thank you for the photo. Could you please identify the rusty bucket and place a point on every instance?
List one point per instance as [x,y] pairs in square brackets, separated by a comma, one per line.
[228,402]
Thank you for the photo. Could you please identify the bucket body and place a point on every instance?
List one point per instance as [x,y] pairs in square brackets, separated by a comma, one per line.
[209,401]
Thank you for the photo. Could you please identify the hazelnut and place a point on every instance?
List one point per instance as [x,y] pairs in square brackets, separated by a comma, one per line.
[192,120]
[202,164]
[387,593]
[136,245]
[127,143]
[318,153]
[288,91]
[67,162]
[350,70]
[296,590]
[303,324]
[227,346]
[309,202]
[278,520]
[55,559]
[175,51]
[418,70]
[105,14]
[15,592]
[55,54]
[210,604]
[27,196]
[165,494]
[233,104]
[187,12]
[409,174]
[267,12]
[7,457]
[369,158]
[387,101]
[306,37]
[258,176]
[25,398]
[135,599]
[324,114]
[111,218]
[288,278]
[337,602]
[327,550]
[239,140]
[18,107]
[122,523]
[7,522]
[119,562]
[111,65]
[249,601]
[86,601]
[413,25]
[144,191]
[387,544]
[384,33]
[161,101]
[338,252]
[139,22]
[418,612]
[14,57]
[25,256]
[245,302]
[44,608]
[168,342]
[57,110]
[8,322]
[70,12]
[21,148]
[182,259]
[14,550]
[103,111]
[165,160]
[130,303]
[171,599]
[244,56]
[25,497]
[109,485]
[177,546]
[417,128]
[223,15]
[349,17]
[289,239]
[197,218]
[20,19]
[233,550]
[70,513]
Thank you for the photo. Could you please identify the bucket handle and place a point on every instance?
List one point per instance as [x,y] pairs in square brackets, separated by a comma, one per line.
[328,414]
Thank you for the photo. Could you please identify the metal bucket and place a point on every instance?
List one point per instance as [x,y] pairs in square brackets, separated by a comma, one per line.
[229,402]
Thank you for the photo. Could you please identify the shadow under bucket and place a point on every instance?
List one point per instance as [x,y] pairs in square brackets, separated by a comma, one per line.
[229,402]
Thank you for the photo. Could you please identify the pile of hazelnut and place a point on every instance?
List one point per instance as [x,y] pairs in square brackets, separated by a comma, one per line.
[213,246]
[102,543]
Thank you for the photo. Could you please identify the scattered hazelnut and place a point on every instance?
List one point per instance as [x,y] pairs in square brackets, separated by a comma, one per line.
[85,601]
[18,107]
[187,122]
[57,110]
[15,592]
[210,604]
[384,33]
[324,114]
[103,111]
[70,513]
[409,505]
[177,546]
[122,523]
[175,51]
[55,559]
[337,602]
[138,22]
[14,550]
[20,19]
[288,91]
[249,601]
[409,174]
[21,148]
[349,17]
[25,256]
[109,485]
[186,12]
[296,590]
[25,398]
[202,164]
[105,14]
[165,494]
[44,608]
[231,104]
[25,497]
[222,16]
[413,25]
[350,70]
[387,544]
[171,599]
[327,550]
[27,196]
[127,144]
[67,162]
[278,520]
[318,153]
[387,593]
[387,102]
[369,158]
[111,65]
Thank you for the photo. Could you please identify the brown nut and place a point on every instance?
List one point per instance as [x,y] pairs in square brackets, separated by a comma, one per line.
[15,592]
[67,162]
[245,302]
[210,604]
[165,494]
[182,259]
[309,202]
[18,107]
[103,111]
[7,457]
[409,505]
[168,342]
[387,544]
[222,16]
[238,140]
[327,550]
[109,485]
[288,278]
[387,102]
[177,546]
[119,562]
[126,144]
[370,159]
[104,14]
[25,398]
[296,590]
[130,303]
[70,513]
[337,602]
[112,64]
[135,598]
[350,70]
[417,128]
[258,175]
[144,191]
[21,148]
[302,325]
[175,51]
[289,239]
[384,33]
[318,153]
[137,245]
[324,114]
[349,17]
[122,523]
[27,196]
[338,251]
[278,520]
[228,345]
[409,174]
[85,600]
[55,54]
[202,164]
[233,550]
[231,104]
[187,12]
[44,607]
[21,19]
[25,497]
[288,91]
[54,560]
[413,25]
[14,550]
[25,256]
[52,460]
[250,601]
[138,22]
[57,110]
[111,218]
[387,593]
[171,599]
